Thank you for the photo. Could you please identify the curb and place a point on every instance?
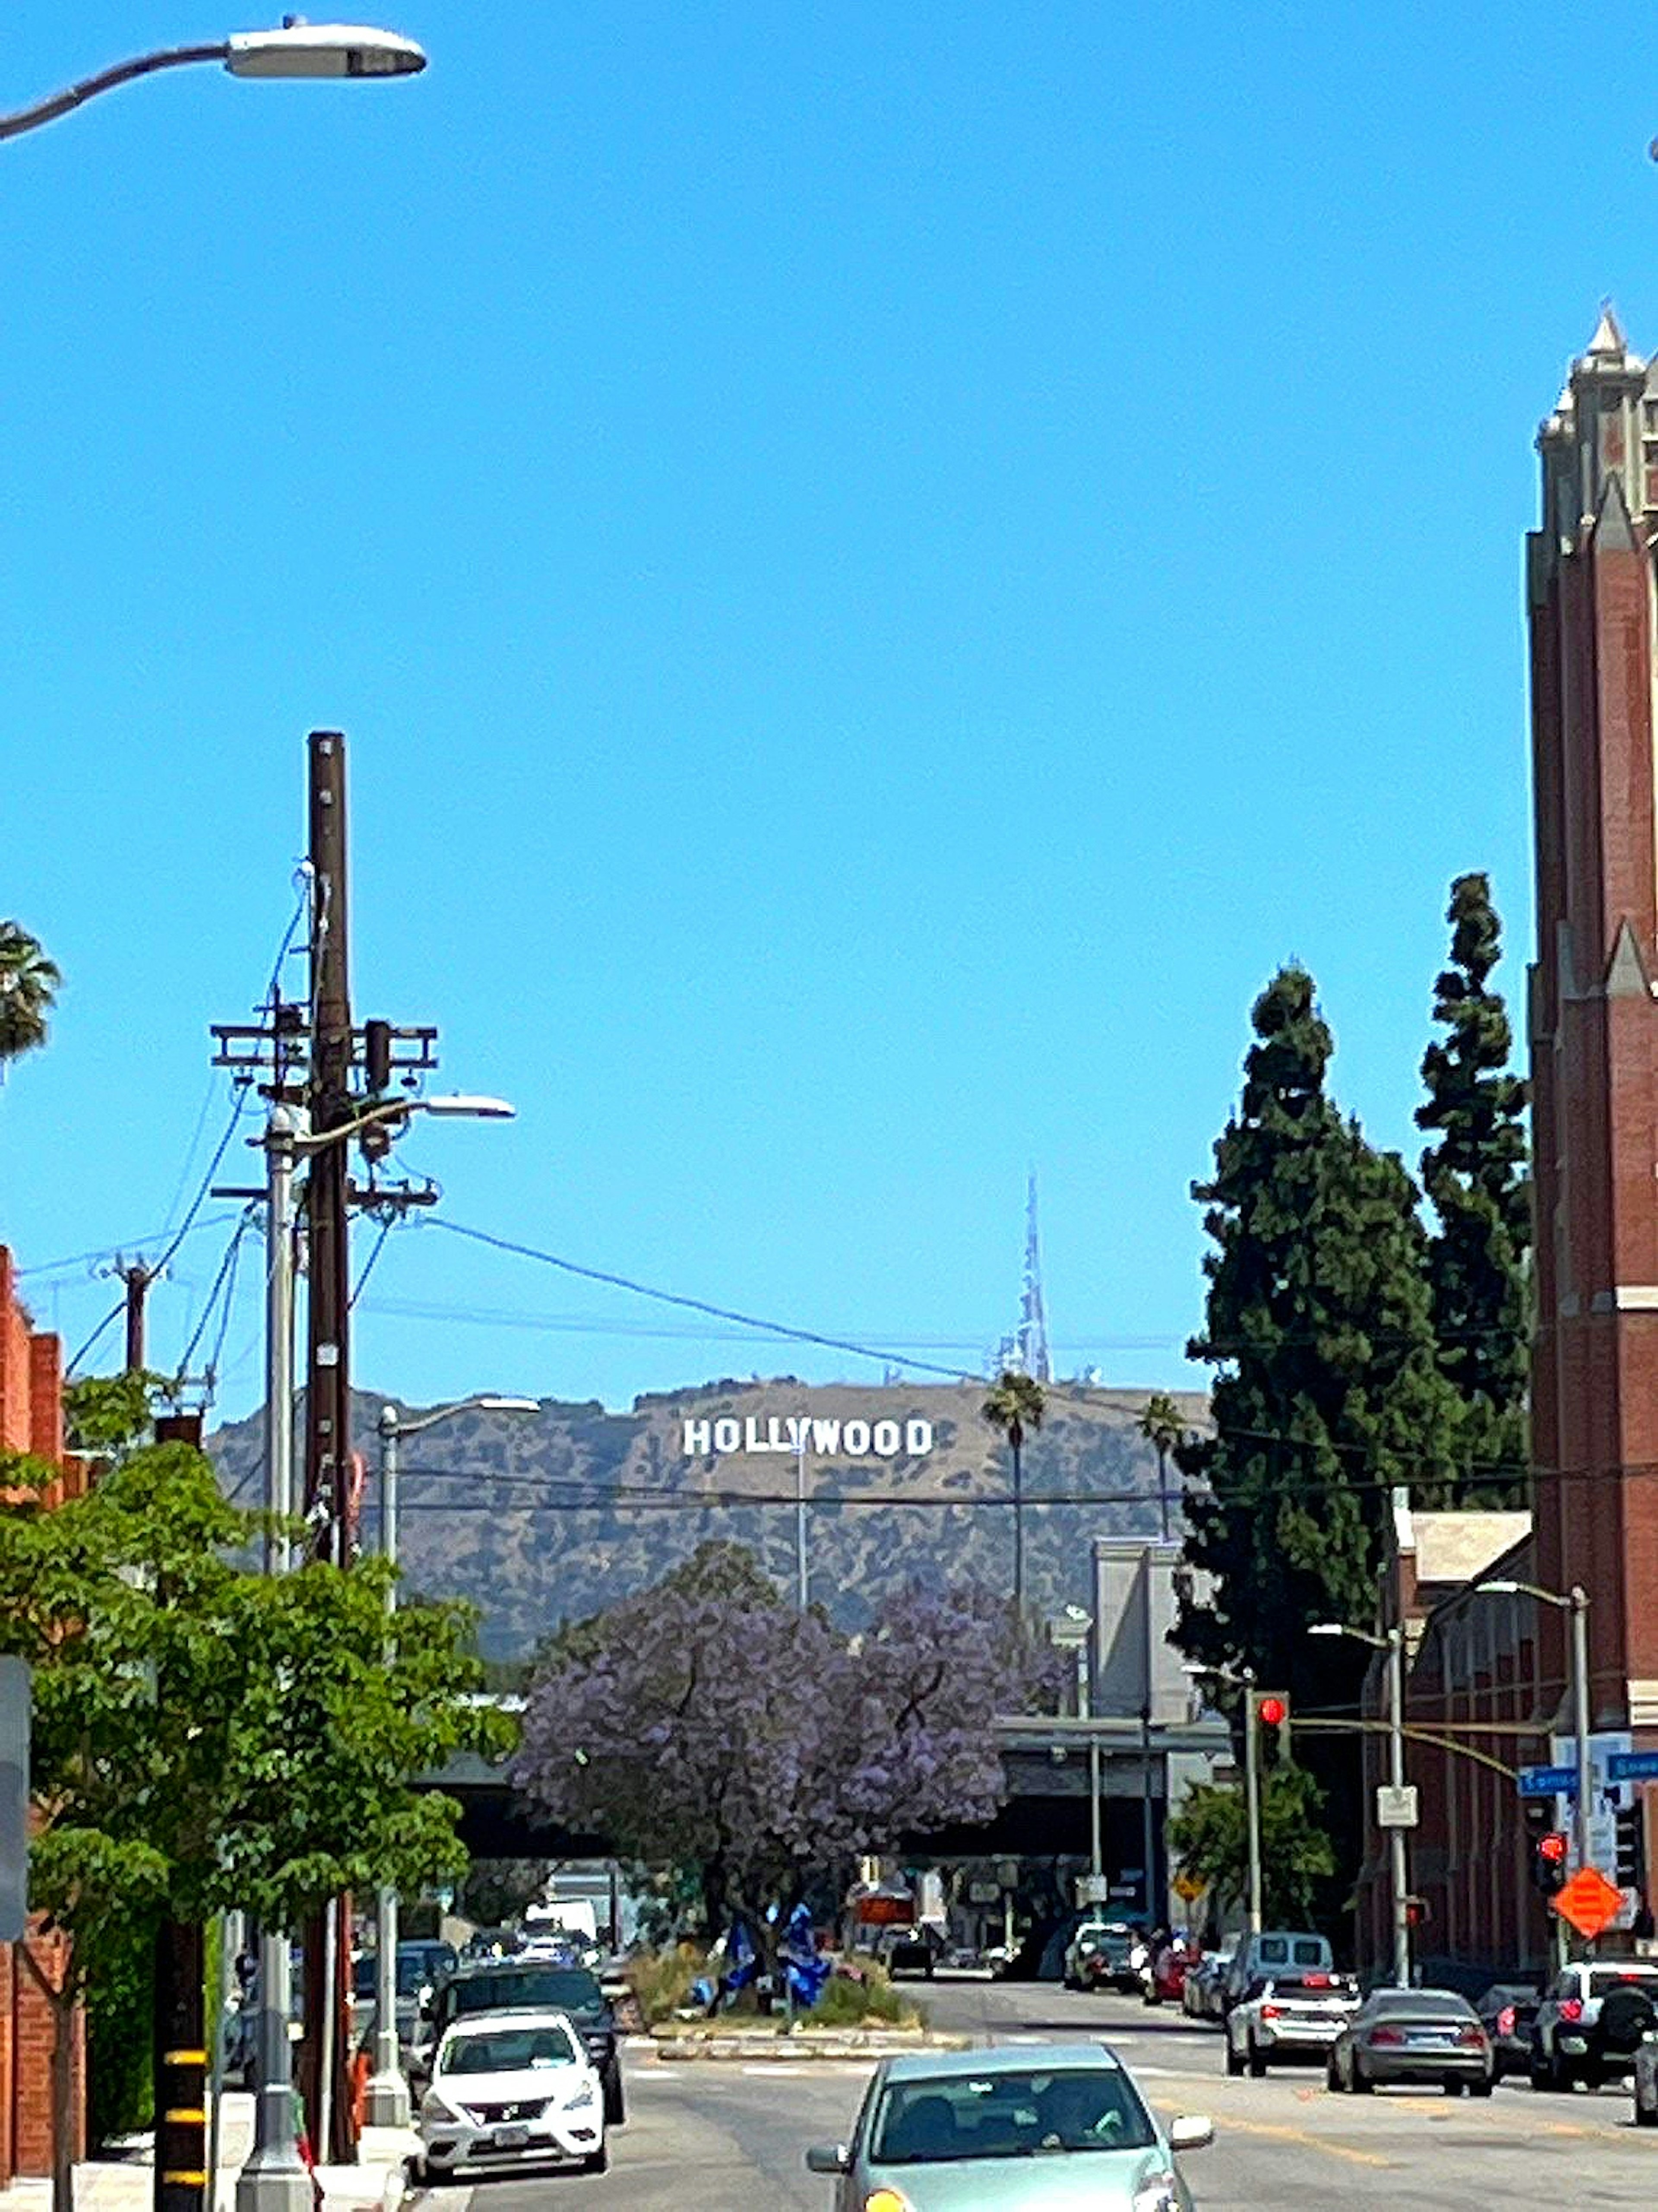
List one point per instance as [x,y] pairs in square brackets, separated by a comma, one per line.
[794,2049]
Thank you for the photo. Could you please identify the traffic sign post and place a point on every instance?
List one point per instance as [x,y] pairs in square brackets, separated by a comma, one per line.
[1396,1806]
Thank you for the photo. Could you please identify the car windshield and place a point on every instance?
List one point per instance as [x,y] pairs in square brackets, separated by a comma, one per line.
[1001,2113]
[507,2050]
[545,1989]
[415,1971]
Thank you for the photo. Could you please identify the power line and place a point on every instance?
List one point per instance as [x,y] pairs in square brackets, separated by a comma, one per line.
[103,1326]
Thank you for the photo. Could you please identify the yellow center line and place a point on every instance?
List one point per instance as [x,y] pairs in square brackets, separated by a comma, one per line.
[1303,2137]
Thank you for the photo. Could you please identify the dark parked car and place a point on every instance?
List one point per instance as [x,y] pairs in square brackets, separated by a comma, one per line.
[1507,2011]
[1420,2036]
[913,1953]
[525,1985]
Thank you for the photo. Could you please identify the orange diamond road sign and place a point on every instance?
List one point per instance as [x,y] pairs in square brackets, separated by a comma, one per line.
[1589,1902]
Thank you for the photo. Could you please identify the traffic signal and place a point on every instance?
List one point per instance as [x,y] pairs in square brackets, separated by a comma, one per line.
[1273,1719]
[1548,1865]
[1631,1872]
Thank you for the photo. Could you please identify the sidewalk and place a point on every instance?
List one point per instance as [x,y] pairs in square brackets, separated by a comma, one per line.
[375,2183]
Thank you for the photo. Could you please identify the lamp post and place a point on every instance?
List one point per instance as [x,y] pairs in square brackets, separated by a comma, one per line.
[387,2091]
[1393,1644]
[1243,1678]
[1071,1633]
[273,2180]
[297,50]
[1576,1602]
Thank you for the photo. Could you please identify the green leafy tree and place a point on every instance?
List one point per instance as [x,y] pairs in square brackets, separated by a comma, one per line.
[1327,1390]
[29,984]
[1209,1839]
[1475,1176]
[206,1737]
[1015,1404]
[1162,1426]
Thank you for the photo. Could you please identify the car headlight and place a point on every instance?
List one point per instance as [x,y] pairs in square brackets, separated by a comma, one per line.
[1157,2194]
[582,2098]
[433,2107]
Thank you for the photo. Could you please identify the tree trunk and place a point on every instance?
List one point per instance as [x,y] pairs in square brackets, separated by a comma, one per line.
[1018,1531]
[1163,1488]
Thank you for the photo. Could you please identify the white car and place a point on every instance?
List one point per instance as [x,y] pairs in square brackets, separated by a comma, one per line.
[511,2089]
[1591,2023]
[1299,2017]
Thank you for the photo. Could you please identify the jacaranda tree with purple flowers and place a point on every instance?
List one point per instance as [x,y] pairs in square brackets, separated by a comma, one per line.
[704,1723]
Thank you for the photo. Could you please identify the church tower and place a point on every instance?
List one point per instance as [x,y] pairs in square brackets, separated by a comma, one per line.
[1593,1021]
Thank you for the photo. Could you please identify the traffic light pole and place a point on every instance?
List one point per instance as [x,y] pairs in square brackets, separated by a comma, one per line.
[1580,1698]
[1252,1794]
[1401,1877]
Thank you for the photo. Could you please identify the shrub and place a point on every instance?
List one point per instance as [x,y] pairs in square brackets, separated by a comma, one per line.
[661,1980]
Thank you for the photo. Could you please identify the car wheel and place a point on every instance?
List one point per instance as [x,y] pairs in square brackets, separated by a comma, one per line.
[1592,2076]
[1257,2061]
[1646,2115]
[1360,2084]
[1234,2058]
[1453,2087]
[599,2162]
[1332,2075]
[1481,2088]
[615,2109]
[418,2172]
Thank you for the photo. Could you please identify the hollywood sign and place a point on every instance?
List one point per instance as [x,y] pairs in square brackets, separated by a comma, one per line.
[797,1434]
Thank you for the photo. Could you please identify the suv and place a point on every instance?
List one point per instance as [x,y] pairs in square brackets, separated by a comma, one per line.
[498,1985]
[1591,2021]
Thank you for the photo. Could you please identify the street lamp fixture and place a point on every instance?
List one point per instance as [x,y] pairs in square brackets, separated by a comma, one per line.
[297,49]
[386,2090]
[1393,1642]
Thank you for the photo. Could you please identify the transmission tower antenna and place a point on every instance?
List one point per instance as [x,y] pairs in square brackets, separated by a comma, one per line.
[1031,1341]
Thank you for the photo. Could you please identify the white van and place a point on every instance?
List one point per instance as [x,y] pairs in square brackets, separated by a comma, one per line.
[1281,1955]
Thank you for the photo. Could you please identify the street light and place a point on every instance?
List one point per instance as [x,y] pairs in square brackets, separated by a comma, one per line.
[1576,1602]
[298,49]
[1244,1679]
[387,2091]
[273,2180]
[1393,1644]
[1072,1633]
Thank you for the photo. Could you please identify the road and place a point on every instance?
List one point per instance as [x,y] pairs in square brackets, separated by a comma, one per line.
[708,2137]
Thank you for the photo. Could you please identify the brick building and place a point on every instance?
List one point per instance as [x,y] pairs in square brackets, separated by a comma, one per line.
[1592,606]
[31,1420]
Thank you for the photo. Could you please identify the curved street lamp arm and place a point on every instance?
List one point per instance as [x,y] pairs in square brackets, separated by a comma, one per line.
[62,103]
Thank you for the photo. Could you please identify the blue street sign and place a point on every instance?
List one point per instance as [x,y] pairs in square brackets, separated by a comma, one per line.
[1550,1781]
[1632,1767]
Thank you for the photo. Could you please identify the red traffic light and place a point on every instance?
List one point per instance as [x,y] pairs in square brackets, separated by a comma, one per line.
[1272,1712]
[1552,1848]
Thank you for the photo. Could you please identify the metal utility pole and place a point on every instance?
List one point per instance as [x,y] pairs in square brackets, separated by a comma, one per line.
[1085,1712]
[800,1584]
[1578,1599]
[328,1372]
[273,2180]
[388,2092]
[1252,1792]
[1397,1869]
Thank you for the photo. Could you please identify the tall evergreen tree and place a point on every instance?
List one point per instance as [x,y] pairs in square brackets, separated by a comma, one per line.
[1475,1176]
[1328,1391]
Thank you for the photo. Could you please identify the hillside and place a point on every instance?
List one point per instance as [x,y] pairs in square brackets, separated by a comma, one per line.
[545,1516]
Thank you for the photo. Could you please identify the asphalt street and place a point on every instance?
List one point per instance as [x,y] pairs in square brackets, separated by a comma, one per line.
[711,2137]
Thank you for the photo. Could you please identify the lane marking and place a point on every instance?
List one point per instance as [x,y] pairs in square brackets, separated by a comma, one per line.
[1303,2138]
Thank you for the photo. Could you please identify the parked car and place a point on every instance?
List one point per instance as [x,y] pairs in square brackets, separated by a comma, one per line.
[1507,2012]
[1163,1976]
[1011,2129]
[1420,2036]
[1278,1951]
[1200,1999]
[1591,2020]
[517,1985]
[511,2089]
[1101,1956]
[912,1951]
[1297,2017]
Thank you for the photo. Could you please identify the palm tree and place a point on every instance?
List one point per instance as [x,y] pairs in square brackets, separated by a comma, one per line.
[29,986]
[1016,1403]
[1160,1425]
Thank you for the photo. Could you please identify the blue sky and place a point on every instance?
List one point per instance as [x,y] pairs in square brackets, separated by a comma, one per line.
[882,566]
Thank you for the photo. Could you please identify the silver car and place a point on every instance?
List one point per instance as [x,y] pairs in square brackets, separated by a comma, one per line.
[1419,2036]
[1009,2130]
